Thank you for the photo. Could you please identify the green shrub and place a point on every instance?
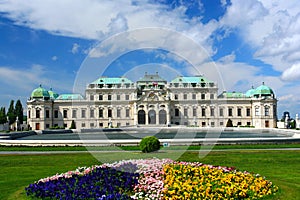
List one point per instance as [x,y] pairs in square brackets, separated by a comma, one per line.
[149,144]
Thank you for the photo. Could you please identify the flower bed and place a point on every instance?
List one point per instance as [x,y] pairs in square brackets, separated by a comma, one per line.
[152,179]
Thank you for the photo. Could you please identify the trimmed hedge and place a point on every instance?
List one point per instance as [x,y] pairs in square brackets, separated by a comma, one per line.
[149,144]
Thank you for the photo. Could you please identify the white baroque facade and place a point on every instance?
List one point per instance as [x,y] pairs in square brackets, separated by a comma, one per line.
[152,101]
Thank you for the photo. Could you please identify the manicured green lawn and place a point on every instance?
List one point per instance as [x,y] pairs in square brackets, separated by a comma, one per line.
[282,167]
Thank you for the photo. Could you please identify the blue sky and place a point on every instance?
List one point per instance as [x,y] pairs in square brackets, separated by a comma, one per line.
[49,42]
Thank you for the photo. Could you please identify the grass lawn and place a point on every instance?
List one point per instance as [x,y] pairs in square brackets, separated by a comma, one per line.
[280,166]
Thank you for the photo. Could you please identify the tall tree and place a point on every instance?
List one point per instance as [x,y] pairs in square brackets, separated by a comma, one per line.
[2,115]
[11,112]
[19,111]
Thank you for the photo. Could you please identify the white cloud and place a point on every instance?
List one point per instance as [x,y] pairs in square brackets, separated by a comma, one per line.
[54,58]
[292,73]
[75,48]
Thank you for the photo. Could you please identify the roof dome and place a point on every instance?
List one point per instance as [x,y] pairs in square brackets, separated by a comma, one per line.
[250,92]
[263,90]
[40,92]
[53,95]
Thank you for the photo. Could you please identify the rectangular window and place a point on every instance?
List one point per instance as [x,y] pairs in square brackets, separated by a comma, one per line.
[100,97]
[229,111]
[267,111]
[29,113]
[109,113]
[118,124]
[100,113]
[118,97]
[239,123]
[202,96]
[74,113]
[239,112]
[212,96]
[176,112]
[248,112]
[100,124]
[184,96]
[55,113]
[109,97]
[92,113]
[203,124]
[37,114]
[83,125]
[176,96]
[221,123]
[212,112]
[203,112]
[47,113]
[65,114]
[127,97]
[118,112]
[127,112]
[221,112]
[257,113]
[194,112]
[212,124]
[47,125]
[92,125]
[194,96]
[185,112]
[92,97]
[83,113]
[248,123]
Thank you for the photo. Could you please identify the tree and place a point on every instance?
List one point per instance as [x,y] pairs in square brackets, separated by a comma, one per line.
[73,125]
[229,123]
[19,111]
[11,113]
[2,115]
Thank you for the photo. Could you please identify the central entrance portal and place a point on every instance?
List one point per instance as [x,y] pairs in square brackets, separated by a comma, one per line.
[141,117]
[152,117]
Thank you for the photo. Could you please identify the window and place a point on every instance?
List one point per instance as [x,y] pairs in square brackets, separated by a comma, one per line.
[202,96]
[239,112]
[83,113]
[248,112]
[221,112]
[83,125]
[212,124]
[248,123]
[257,111]
[239,123]
[65,114]
[118,97]
[221,123]
[47,114]
[47,125]
[194,112]
[29,113]
[55,113]
[92,113]
[212,112]
[100,124]
[37,114]
[100,113]
[127,97]
[176,112]
[127,112]
[267,111]
[185,112]
[176,96]
[229,111]
[118,112]
[74,113]
[109,97]
[118,124]
[184,96]
[212,96]
[92,125]
[194,96]
[203,123]
[100,97]
[203,112]
[92,97]
[109,113]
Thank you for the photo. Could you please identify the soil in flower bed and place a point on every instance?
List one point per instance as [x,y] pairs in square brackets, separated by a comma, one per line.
[153,179]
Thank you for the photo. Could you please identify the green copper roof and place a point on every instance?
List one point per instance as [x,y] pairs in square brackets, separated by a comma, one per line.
[191,79]
[106,80]
[53,95]
[70,97]
[250,92]
[263,90]
[40,92]
[149,78]
[232,95]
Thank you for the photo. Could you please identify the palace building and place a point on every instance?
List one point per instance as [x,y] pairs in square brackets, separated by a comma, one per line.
[152,101]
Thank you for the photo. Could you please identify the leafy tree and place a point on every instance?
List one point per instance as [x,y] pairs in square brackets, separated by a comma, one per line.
[73,125]
[19,111]
[11,113]
[229,123]
[2,115]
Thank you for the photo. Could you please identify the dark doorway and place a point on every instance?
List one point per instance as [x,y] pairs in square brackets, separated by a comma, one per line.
[152,117]
[162,117]
[141,117]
